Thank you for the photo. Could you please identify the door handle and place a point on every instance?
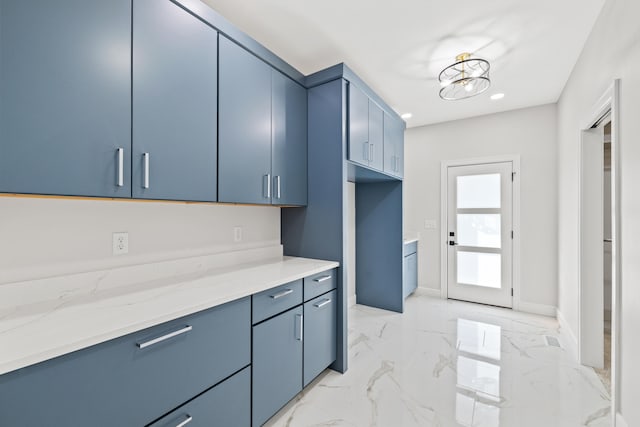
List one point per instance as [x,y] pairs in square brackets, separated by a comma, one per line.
[299,327]
[145,172]
[120,167]
[277,185]
[323,303]
[268,179]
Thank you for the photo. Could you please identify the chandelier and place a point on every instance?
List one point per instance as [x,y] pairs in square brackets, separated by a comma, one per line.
[465,78]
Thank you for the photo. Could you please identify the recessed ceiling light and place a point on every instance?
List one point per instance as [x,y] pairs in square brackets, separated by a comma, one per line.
[497,96]
[406,116]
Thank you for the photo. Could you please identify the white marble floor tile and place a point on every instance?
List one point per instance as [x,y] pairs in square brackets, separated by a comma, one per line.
[450,364]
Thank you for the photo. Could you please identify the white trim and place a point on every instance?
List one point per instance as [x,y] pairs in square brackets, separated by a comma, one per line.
[541,309]
[516,268]
[619,421]
[351,300]
[571,342]
[428,292]
[610,99]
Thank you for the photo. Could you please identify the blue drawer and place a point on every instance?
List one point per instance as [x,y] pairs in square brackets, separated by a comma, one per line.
[132,380]
[227,404]
[276,300]
[319,284]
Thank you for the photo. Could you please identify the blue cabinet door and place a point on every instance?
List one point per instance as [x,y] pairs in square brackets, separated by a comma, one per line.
[175,65]
[276,363]
[244,149]
[393,146]
[289,145]
[320,334]
[227,405]
[65,97]
[376,137]
[410,275]
[358,126]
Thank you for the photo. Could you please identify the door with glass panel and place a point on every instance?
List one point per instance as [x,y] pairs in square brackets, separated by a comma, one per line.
[479,234]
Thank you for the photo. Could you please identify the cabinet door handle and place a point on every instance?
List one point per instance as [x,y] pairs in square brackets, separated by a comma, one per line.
[120,167]
[323,303]
[299,326]
[282,294]
[185,422]
[371,152]
[165,337]
[145,170]
[277,185]
[267,177]
[322,279]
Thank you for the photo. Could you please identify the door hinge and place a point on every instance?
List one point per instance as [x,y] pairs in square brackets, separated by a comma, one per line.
[512,234]
[512,175]
[511,291]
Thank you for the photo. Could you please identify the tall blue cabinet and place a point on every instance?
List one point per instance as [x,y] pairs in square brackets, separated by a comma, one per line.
[65,97]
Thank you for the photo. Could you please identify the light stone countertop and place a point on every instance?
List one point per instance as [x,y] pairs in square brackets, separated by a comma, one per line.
[33,330]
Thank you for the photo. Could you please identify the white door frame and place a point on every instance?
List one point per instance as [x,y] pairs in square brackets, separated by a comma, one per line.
[610,100]
[444,166]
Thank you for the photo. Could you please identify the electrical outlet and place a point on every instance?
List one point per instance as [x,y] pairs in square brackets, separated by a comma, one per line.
[237,234]
[120,243]
[430,224]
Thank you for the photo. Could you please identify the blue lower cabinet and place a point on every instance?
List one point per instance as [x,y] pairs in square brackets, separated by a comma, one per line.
[277,363]
[228,404]
[132,380]
[320,334]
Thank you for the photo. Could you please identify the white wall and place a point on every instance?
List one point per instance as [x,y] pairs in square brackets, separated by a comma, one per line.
[45,237]
[531,133]
[612,51]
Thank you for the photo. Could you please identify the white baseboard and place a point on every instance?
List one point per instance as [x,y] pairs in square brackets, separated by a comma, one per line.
[620,422]
[571,342]
[428,292]
[351,301]
[542,309]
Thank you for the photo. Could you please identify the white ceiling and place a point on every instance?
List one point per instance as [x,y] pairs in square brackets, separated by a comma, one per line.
[399,47]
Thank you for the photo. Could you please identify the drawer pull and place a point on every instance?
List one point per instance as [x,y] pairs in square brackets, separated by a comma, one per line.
[323,303]
[164,337]
[185,422]
[282,294]
[145,170]
[322,279]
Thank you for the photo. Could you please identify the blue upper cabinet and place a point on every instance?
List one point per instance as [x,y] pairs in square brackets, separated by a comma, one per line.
[175,63]
[393,146]
[366,130]
[65,103]
[245,127]
[289,145]
[262,131]
[359,150]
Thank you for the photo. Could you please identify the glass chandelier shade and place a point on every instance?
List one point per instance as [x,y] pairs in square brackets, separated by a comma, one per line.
[465,78]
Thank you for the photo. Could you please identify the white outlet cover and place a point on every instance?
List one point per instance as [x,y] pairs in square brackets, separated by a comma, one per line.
[120,243]
[237,234]
[430,224]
